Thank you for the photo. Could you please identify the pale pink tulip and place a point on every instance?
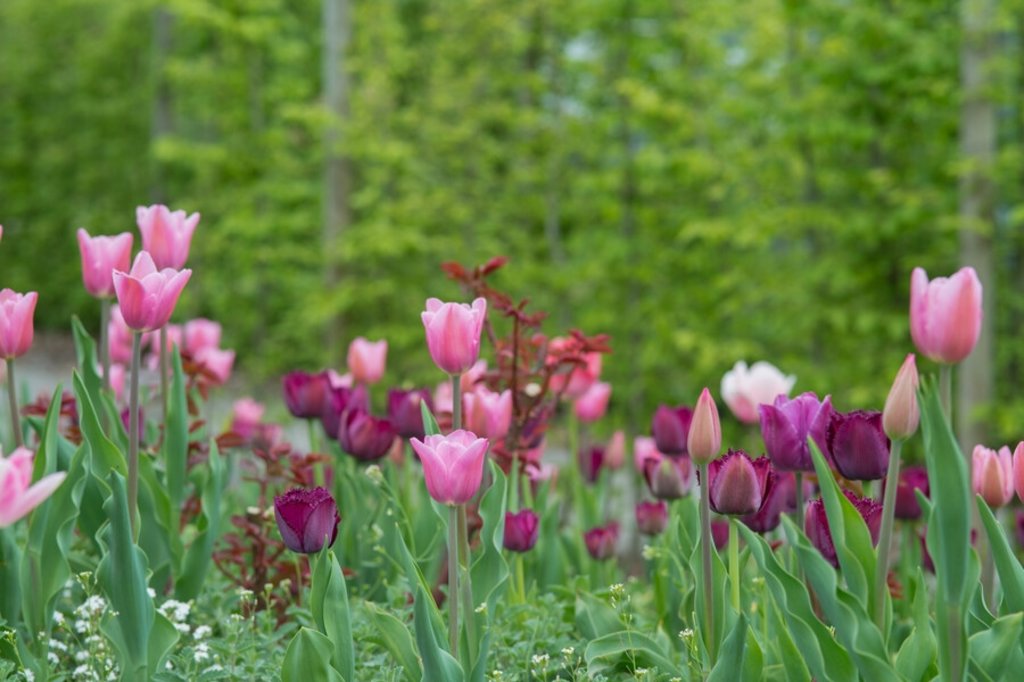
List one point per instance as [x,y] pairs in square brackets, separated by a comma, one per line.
[118,374]
[246,416]
[443,401]
[615,452]
[166,234]
[17,494]
[472,376]
[367,359]
[339,380]
[16,322]
[992,474]
[147,296]
[200,333]
[453,465]
[705,438]
[488,413]
[945,314]
[119,337]
[100,257]
[217,363]
[902,414]
[592,405]
[453,333]
[151,340]
[1018,470]
[743,388]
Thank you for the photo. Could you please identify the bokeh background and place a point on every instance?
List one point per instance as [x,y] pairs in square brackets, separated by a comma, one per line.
[704,181]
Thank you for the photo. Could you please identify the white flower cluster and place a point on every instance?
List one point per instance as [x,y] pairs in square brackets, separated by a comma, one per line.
[177,612]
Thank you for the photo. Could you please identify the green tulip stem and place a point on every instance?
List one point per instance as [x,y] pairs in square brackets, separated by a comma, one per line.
[946,391]
[988,568]
[453,580]
[133,434]
[163,373]
[521,577]
[12,400]
[734,564]
[892,479]
[456,402]
[465,579]
[298,580]
[707,594]
[104,341]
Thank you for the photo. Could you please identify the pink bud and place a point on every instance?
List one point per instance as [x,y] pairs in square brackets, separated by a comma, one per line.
[147,296]
[902,414]
[1018,469]
[615,452]
[200,333]
[743,389]
[367,359]
[992,474]
[592,405]
[945,314]
[705,438]
[488,413]
[453,465]
[16,322]
[100,257]
[166,234]
[453,333]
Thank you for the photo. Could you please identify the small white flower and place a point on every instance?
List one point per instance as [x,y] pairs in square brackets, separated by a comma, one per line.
[201,653]
[151,592]
[215,668]
[81,626]
[52,658]
[58,645]
[202,632]
[481,608]
[58,617]
[374,474]
[29,675]
[183,628]
[82,656]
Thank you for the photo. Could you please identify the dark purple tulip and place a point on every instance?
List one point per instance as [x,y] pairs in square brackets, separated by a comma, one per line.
[305,517]
[601,541]
[591,463]
[651,517]
[671,427]
[720,534]
[337,401]
[521,530]
[305,394]
[779,497]
[364,436]
[668,478]
[737,484]
[785,426]
[911,479]
[816,523]
[858,445]
[404,411]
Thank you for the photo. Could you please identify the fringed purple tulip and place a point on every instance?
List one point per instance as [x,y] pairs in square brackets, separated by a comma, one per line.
[166,234]
[18,495]
[858,445]
[601,541]
[147,296]
[453,333]
[817,529]
[668,478]
[521,530]
[945,314]
[738,484]
[651,517]
[404,411]
[671,427]
[100,257]
[307,518]
[453,465]
[779,497]
[306,395]
[364,436]
[785,426]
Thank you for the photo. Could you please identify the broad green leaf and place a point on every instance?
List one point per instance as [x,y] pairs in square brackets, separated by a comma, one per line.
[595,618]
[490,570]
[309,658]
[917,653]
[106,457]
[328,598]
[991,649]
[740,659]
[627,649]
[198,556]
[1011,574]
[438,663]
[394,636]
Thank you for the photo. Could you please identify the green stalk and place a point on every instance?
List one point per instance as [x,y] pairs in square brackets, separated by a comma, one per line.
[453,581]
[104,341]
[954,625]
[705,550]
[799,516]
[133,434]
[456,402]
[734,563]
[892,480]
[163,373]
[946,390]
[521,577]
[12,399]
[465,580]
[513,496]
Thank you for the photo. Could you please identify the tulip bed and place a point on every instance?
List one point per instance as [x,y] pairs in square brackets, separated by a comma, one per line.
[438,535]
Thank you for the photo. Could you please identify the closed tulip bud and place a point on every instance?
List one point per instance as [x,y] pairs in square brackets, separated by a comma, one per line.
[705,438]
[671,428]
[453,333]
[858,445]
[720,534]
[992,474]
[16,322]
[100,257]
[644,448]
[601,541]
[147,296]
[305,394]
[487,413]
[785,426]
[737,484]
[404,411]
[945,314]
[246,416]
[779,497]
[18,495]
[592,405]
[651,517]
[367,359]
[615,451]
[911,480]
[591,463]
[364,436]
[1018,470]
[166,234]
[744,390]
[216,364]
[902,414]
[521,529]
[199,334]
[453,465]
[668,478]
[307,518]
[817,529]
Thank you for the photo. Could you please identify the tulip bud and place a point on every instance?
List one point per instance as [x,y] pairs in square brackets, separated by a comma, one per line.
[992,475]
[305,394]
[1018,470]
[615,452]
[945,314]
[651,517]
[166,234]
[705,438]
[453,465]
[736,484]
[902,414]
[601,541]
[307,518]
[367,360]
[671,428]
[16,322]
[668,478]
[817,529]
[453,333]
[521,530]
[364,436]
[100,257]
[858,445]
[591,462]
[592,405]
[404,411]
[911,479]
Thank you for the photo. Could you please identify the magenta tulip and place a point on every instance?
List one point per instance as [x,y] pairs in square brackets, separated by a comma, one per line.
[307,518]
[367,359]
[404,411]
[720,534]
[305,394]
[785,426]
[488,413]
[453,333]
[100,257]
[858,445]
[651,517]
[591,462]
[453,465]
[199,334]
[364,436]
[945,314]
[521,530]
[911,480]
[337,401]
[737,484]
[779,497]
[16,322]
[705,438]
[671,427]
[668,478]
[18,495]
[216,363]
[601,541]
[817,529]
[1018,527]
[992,475]
[592,405]
[744,389]
[166,234]
[147,296]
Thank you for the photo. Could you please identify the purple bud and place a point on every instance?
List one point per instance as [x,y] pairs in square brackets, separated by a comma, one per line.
[671,428]
[720,534]
[337,401]
[785,426]
[521,530]
[737,484]
[817,529]
[306,517]
[404,411]
[601,541]
[651,517]
[591,463]
[858,445]
[668,478]
[305,394]
[364,436]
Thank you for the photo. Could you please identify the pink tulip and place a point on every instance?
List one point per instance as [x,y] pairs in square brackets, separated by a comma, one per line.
[472,376]
[166,235]
[743,389]
[147,296]
[1018,470]
[119,337]
[644,448]
[488,413]
[118,374]
[151,340]
[100,257]
[945,314]
[217,363]
[16,329]
[366,360]
[705,437]
[592,405]
[453,465]
[443,401]
[453,333]
[339,380]
[17,494]
[902,414]
[992,474]
[200,333]
[575,382]
[246,417]
[615,451]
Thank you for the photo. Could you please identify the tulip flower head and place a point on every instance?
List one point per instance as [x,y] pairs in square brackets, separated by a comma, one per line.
[307,518]
[18,495]
[668,478]
[521,530]
[858,445]
[601,541]
[100,257]
[785,426]
[246,416]
[705,438]
[404,411]
[779,497]
[945,314]
[902,414]
[166,234]
[911,480]
[305,394]
[453,333]
[453,465]
[591,462]
[592,405]
[199,334]
[651,517]
[364,436]
[644,448]
[744,389]
[817,529]
[216,364]
[16,322]
[1018,470]
[147,296]
[737,484]
[574,382]
[615,451]
[367,360]
[992,475]
[671,428]
[488,413]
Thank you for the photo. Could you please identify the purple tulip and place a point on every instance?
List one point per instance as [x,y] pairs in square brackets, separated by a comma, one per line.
[651,517]
[668,478]
[364,436]
[521,530]
[858,445]
[591,462]
[911,479]
[816,523]
[305,394]
[720,534]
[305,517]
[737,484]
[337,401]
[671,428]
[779,497]
[601,541]
[404,411]
[785,426]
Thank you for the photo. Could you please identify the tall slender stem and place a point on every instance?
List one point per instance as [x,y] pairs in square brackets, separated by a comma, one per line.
[513,496]
[734,564]
[521,577]
[453,581]
[456,402]
[104,341]
[163,373]
[892,480]
[465,580]
[946,390]
[12,399]
[133,434]
[705,550]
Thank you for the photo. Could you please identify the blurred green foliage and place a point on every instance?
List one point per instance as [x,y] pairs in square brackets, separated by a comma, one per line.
[704,181]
